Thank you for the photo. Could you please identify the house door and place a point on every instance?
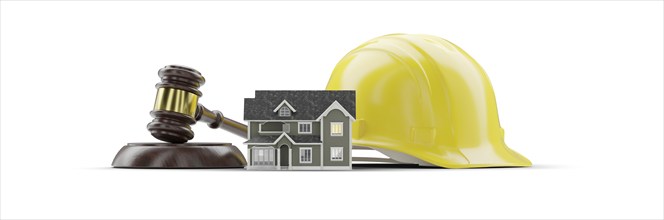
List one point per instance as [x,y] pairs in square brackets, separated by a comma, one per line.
[284,159]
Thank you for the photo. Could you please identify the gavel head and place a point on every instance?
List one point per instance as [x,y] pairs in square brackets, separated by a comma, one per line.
[176,103]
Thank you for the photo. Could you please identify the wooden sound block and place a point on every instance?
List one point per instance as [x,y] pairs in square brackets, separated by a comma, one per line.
[188,155]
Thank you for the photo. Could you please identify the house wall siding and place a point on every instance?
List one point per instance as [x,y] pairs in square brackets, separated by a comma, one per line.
[330,141]
[336,141]
[254,129]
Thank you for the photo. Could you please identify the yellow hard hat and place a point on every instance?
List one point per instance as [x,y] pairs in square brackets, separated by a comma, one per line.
[421,99]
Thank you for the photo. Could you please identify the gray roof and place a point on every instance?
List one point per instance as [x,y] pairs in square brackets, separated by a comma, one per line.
[262,139]
[308,104]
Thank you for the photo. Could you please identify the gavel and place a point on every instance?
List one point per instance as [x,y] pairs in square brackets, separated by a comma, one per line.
[176,107]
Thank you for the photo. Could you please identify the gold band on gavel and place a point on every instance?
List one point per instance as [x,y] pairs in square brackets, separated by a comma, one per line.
[176,100]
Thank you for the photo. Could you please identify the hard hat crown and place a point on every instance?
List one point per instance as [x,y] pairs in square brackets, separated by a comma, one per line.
[422,99]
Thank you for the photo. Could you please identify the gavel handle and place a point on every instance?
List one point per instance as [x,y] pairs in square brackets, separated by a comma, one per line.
[215,119]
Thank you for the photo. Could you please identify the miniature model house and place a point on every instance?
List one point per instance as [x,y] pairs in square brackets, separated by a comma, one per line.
[300,130]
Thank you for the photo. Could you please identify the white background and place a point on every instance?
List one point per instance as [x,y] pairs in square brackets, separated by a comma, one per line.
[579,87]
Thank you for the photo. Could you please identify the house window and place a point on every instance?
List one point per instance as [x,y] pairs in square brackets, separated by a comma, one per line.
[304,127]
[284,111]
[336,128]
[305,155]
[262,157]
[336,153]
[286,128]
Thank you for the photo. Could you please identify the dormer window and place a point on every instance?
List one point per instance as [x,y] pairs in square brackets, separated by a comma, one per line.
[284,111]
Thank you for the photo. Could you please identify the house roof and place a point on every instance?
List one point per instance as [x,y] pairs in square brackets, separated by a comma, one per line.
[309,104]
[267,139]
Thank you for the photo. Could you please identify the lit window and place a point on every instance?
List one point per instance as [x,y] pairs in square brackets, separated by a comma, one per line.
[305,155]
[304,127]
[284,111]
[337,153]
[336,128]
[263,156]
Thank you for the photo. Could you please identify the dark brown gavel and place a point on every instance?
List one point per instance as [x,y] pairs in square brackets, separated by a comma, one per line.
[176,107]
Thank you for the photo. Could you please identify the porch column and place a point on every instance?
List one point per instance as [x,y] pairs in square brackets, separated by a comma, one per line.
[290,158]
[251,159]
